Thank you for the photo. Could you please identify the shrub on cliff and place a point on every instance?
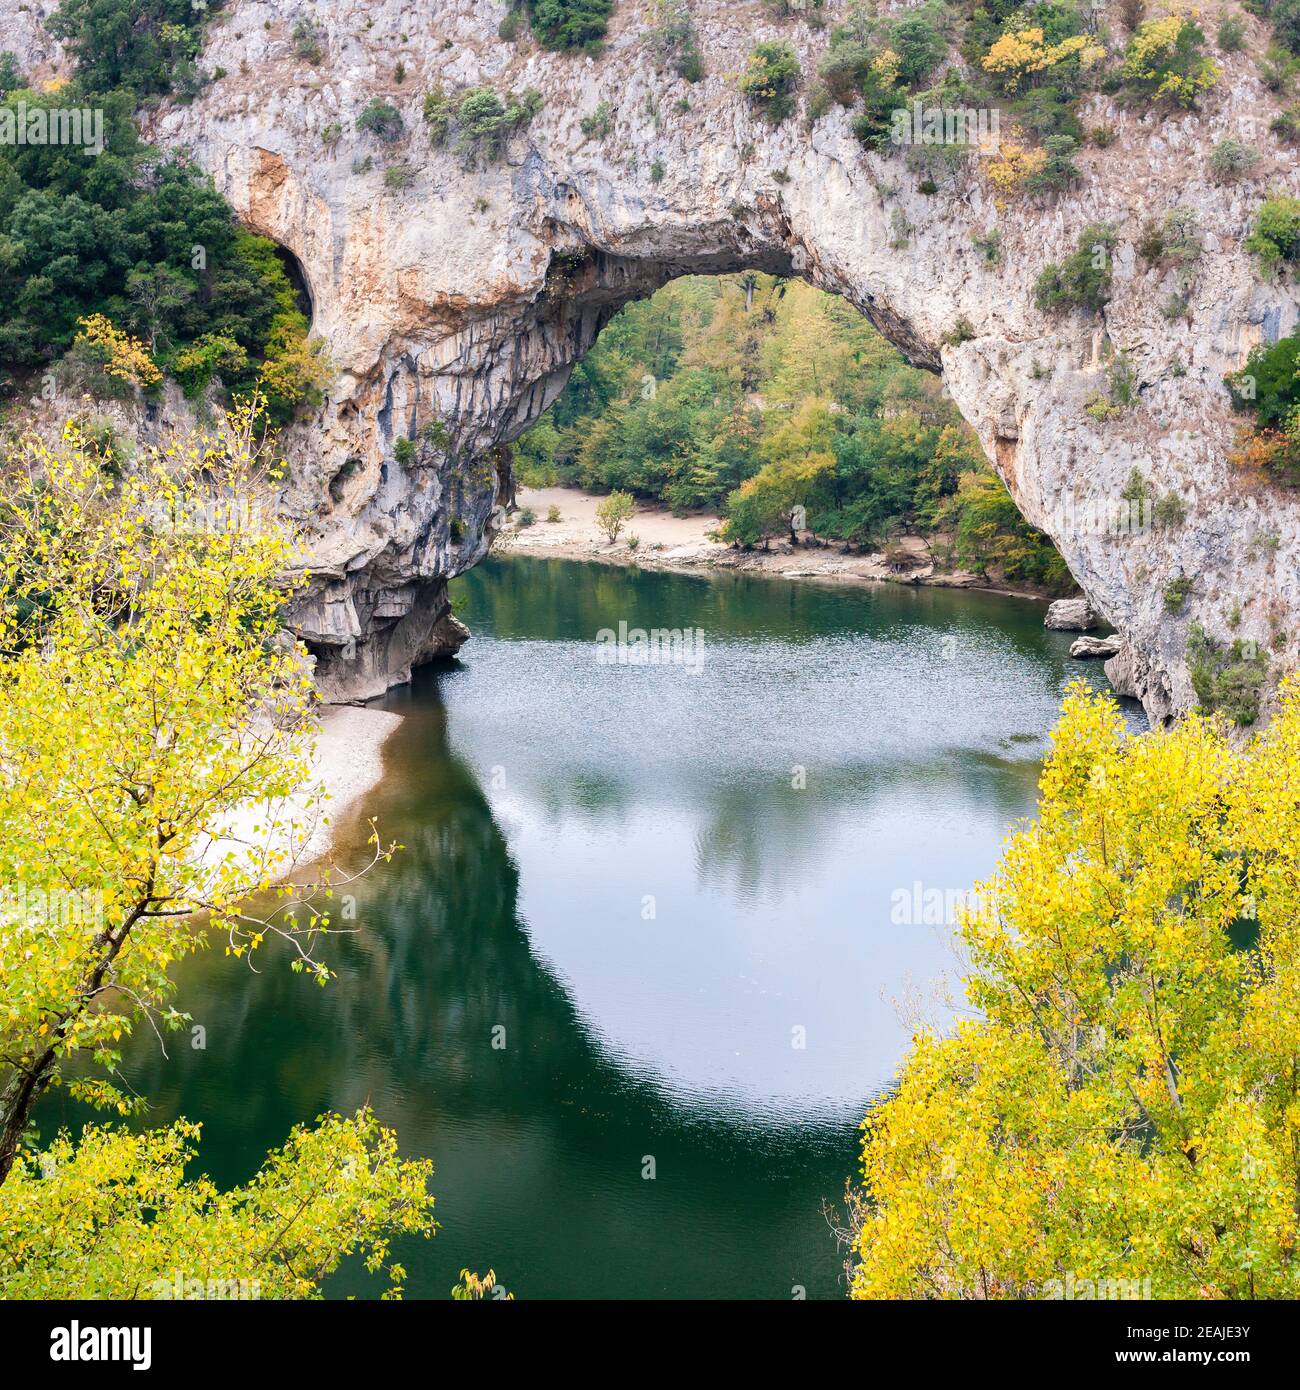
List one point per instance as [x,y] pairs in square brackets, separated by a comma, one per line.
[1268,384]
[1082,280]
[148,46]
[307,41]
[1057,170]
[1165,60]
[1275,237]
[1174,241]
[439,112]
[919,42]
[673,40]
[1230,159]
[1275,452]
[1119,1117]
[1269,387]
[383,119]
[843,68]
[569,23]
[882,95]
[771,79]
[1228,677]
[878,61]
[484,120]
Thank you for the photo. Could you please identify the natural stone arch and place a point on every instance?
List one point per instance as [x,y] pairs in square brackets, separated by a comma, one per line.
[440,300]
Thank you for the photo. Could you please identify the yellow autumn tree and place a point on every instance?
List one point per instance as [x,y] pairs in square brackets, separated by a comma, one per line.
[1018,57]
[117,353]
[148,698]
[297,370]
[1165,59]
[1120,1119]
[798,456]
[1014,161]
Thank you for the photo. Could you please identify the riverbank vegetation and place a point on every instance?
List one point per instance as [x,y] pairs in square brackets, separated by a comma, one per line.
[1120,1119]
[147,698]
[777,404]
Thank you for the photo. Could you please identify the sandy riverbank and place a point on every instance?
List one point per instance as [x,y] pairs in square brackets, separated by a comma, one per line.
[346,766]
[656,539]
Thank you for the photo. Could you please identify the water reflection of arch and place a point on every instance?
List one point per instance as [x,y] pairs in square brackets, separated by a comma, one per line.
[408,1021]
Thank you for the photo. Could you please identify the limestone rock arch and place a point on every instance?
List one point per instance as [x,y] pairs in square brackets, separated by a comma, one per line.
[455,299]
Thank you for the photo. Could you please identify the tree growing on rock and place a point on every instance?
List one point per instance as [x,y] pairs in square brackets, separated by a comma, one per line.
[771,79]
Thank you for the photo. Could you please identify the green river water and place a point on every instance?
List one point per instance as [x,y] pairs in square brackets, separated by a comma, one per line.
[652,944]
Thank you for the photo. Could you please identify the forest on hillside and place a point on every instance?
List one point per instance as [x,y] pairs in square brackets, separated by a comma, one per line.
[756,395]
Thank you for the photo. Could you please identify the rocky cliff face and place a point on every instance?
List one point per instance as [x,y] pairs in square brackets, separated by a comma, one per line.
[455,298]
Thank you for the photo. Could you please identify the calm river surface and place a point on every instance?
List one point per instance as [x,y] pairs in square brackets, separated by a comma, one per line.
[670,894]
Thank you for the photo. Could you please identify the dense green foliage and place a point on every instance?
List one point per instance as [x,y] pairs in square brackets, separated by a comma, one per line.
[145,241]
[1082,280]
[566,23]
[1268,384]
[1226,677]
[481,119]
[771,79]
[756,396]
[1275,237]
[382,119]
[146,46]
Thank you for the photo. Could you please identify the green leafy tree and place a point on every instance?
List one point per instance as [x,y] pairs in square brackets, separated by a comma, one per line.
[613,512]
[1165,59]
[569,23]
[382,119]
[138,44]
[771,79]
[1275,236]
[689,394]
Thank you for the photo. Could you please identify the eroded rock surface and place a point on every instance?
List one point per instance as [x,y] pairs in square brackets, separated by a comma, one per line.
[1090,648]
[455,299]
[1072,615]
